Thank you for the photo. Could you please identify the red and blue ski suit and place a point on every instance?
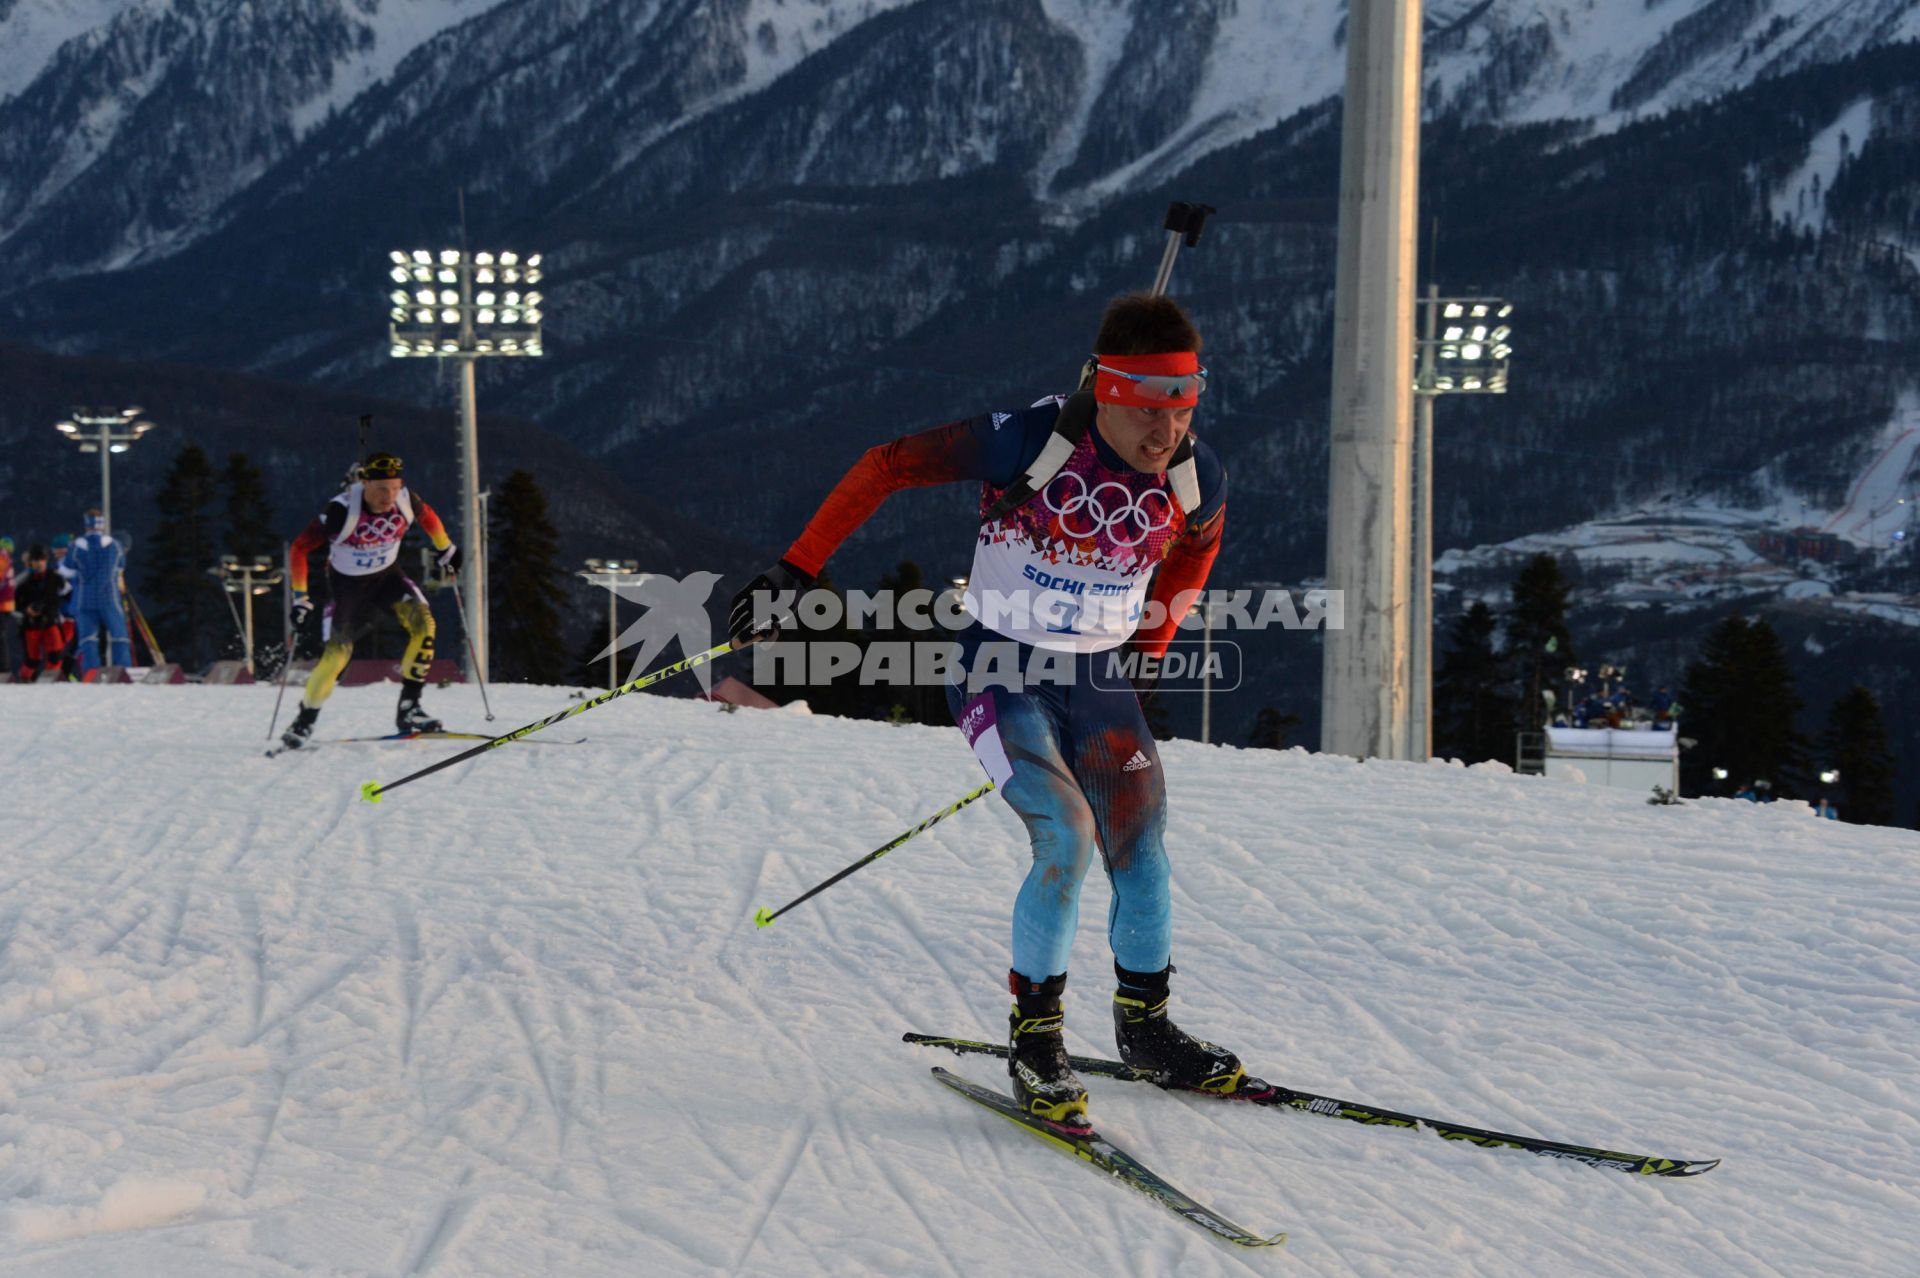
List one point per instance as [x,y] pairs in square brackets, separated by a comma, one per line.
[1058,583]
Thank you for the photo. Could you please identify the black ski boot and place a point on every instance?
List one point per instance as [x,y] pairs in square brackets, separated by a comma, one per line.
[1043,1082]
[408,716]
[1169,1055]
[300,729]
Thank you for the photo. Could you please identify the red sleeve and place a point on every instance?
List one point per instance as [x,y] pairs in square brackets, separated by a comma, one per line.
[943,455]
[312,538]
[1179,581]
[429,523]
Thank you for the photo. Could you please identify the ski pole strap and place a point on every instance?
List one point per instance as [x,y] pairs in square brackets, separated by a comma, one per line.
[372,790]
[764,916]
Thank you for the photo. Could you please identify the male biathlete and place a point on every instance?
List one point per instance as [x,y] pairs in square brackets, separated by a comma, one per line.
[361,530]
[1074,524]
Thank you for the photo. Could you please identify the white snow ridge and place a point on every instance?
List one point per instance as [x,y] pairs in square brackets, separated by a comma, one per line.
[516,1020]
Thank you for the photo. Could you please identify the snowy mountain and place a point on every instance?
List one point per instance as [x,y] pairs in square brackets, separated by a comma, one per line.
[778,231]
[126,125]
[1615,60]
[516,1018]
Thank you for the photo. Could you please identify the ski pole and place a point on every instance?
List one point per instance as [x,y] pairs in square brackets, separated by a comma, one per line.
[466,630]
[372,790]
[763,917]
[286,664]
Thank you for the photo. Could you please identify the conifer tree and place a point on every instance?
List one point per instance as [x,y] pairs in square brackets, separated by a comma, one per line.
[1855,743]
[524,548]
[1538,643]
[187,614]
[250,536]
[1270,729]
[250,528]
[1738,704]
[1473,712]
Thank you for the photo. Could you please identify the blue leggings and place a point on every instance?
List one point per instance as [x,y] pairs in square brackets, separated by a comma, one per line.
[1077,762]
[89,622]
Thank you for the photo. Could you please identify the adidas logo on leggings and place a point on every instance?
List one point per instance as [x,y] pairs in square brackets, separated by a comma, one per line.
[1137,762]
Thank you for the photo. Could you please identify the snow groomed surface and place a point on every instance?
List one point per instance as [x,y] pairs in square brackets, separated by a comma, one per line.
[516,1019]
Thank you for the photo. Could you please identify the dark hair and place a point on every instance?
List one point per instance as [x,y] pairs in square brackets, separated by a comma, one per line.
[37,550]
[1145,324]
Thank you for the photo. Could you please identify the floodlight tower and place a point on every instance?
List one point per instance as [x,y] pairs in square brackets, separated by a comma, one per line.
[613,573]
[465,306]
[1462,350]
[1365,667]
[105,431]
[248,578]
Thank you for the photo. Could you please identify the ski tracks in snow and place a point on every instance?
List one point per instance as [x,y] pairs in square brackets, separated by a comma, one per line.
[517,1019]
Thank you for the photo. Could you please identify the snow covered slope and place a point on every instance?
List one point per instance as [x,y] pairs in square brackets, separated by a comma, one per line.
[515,1019]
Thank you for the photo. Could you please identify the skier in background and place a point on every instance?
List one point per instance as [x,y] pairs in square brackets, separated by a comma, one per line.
[39,595]
[97,566]
[361,530]
[9,620]
[1073,755]
[69,649]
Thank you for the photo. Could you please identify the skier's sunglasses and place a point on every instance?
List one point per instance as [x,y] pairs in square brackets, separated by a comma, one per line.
[1162,388]
[386,466]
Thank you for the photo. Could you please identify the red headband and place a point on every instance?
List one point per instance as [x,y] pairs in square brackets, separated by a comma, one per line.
[1111,389]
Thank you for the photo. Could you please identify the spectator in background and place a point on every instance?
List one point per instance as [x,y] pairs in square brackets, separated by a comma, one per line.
[9,623]
[1662,707]
[62,542]
[39,596]
[98,565]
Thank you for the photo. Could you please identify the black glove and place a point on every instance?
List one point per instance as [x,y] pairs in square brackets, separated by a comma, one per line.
[301,609]
[450,559]
[747,624]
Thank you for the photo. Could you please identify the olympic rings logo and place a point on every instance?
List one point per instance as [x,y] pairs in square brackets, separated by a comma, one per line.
[377,530]
[1135,515]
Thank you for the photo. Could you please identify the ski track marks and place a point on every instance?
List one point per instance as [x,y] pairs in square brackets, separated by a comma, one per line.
[517,1019]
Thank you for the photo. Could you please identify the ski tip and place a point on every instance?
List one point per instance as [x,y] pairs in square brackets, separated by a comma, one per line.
[763,917]
[370,792]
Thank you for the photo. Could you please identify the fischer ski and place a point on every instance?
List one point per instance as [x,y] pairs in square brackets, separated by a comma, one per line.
[1255,1091]
[1088,1145]
[409,736]
[414,736]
